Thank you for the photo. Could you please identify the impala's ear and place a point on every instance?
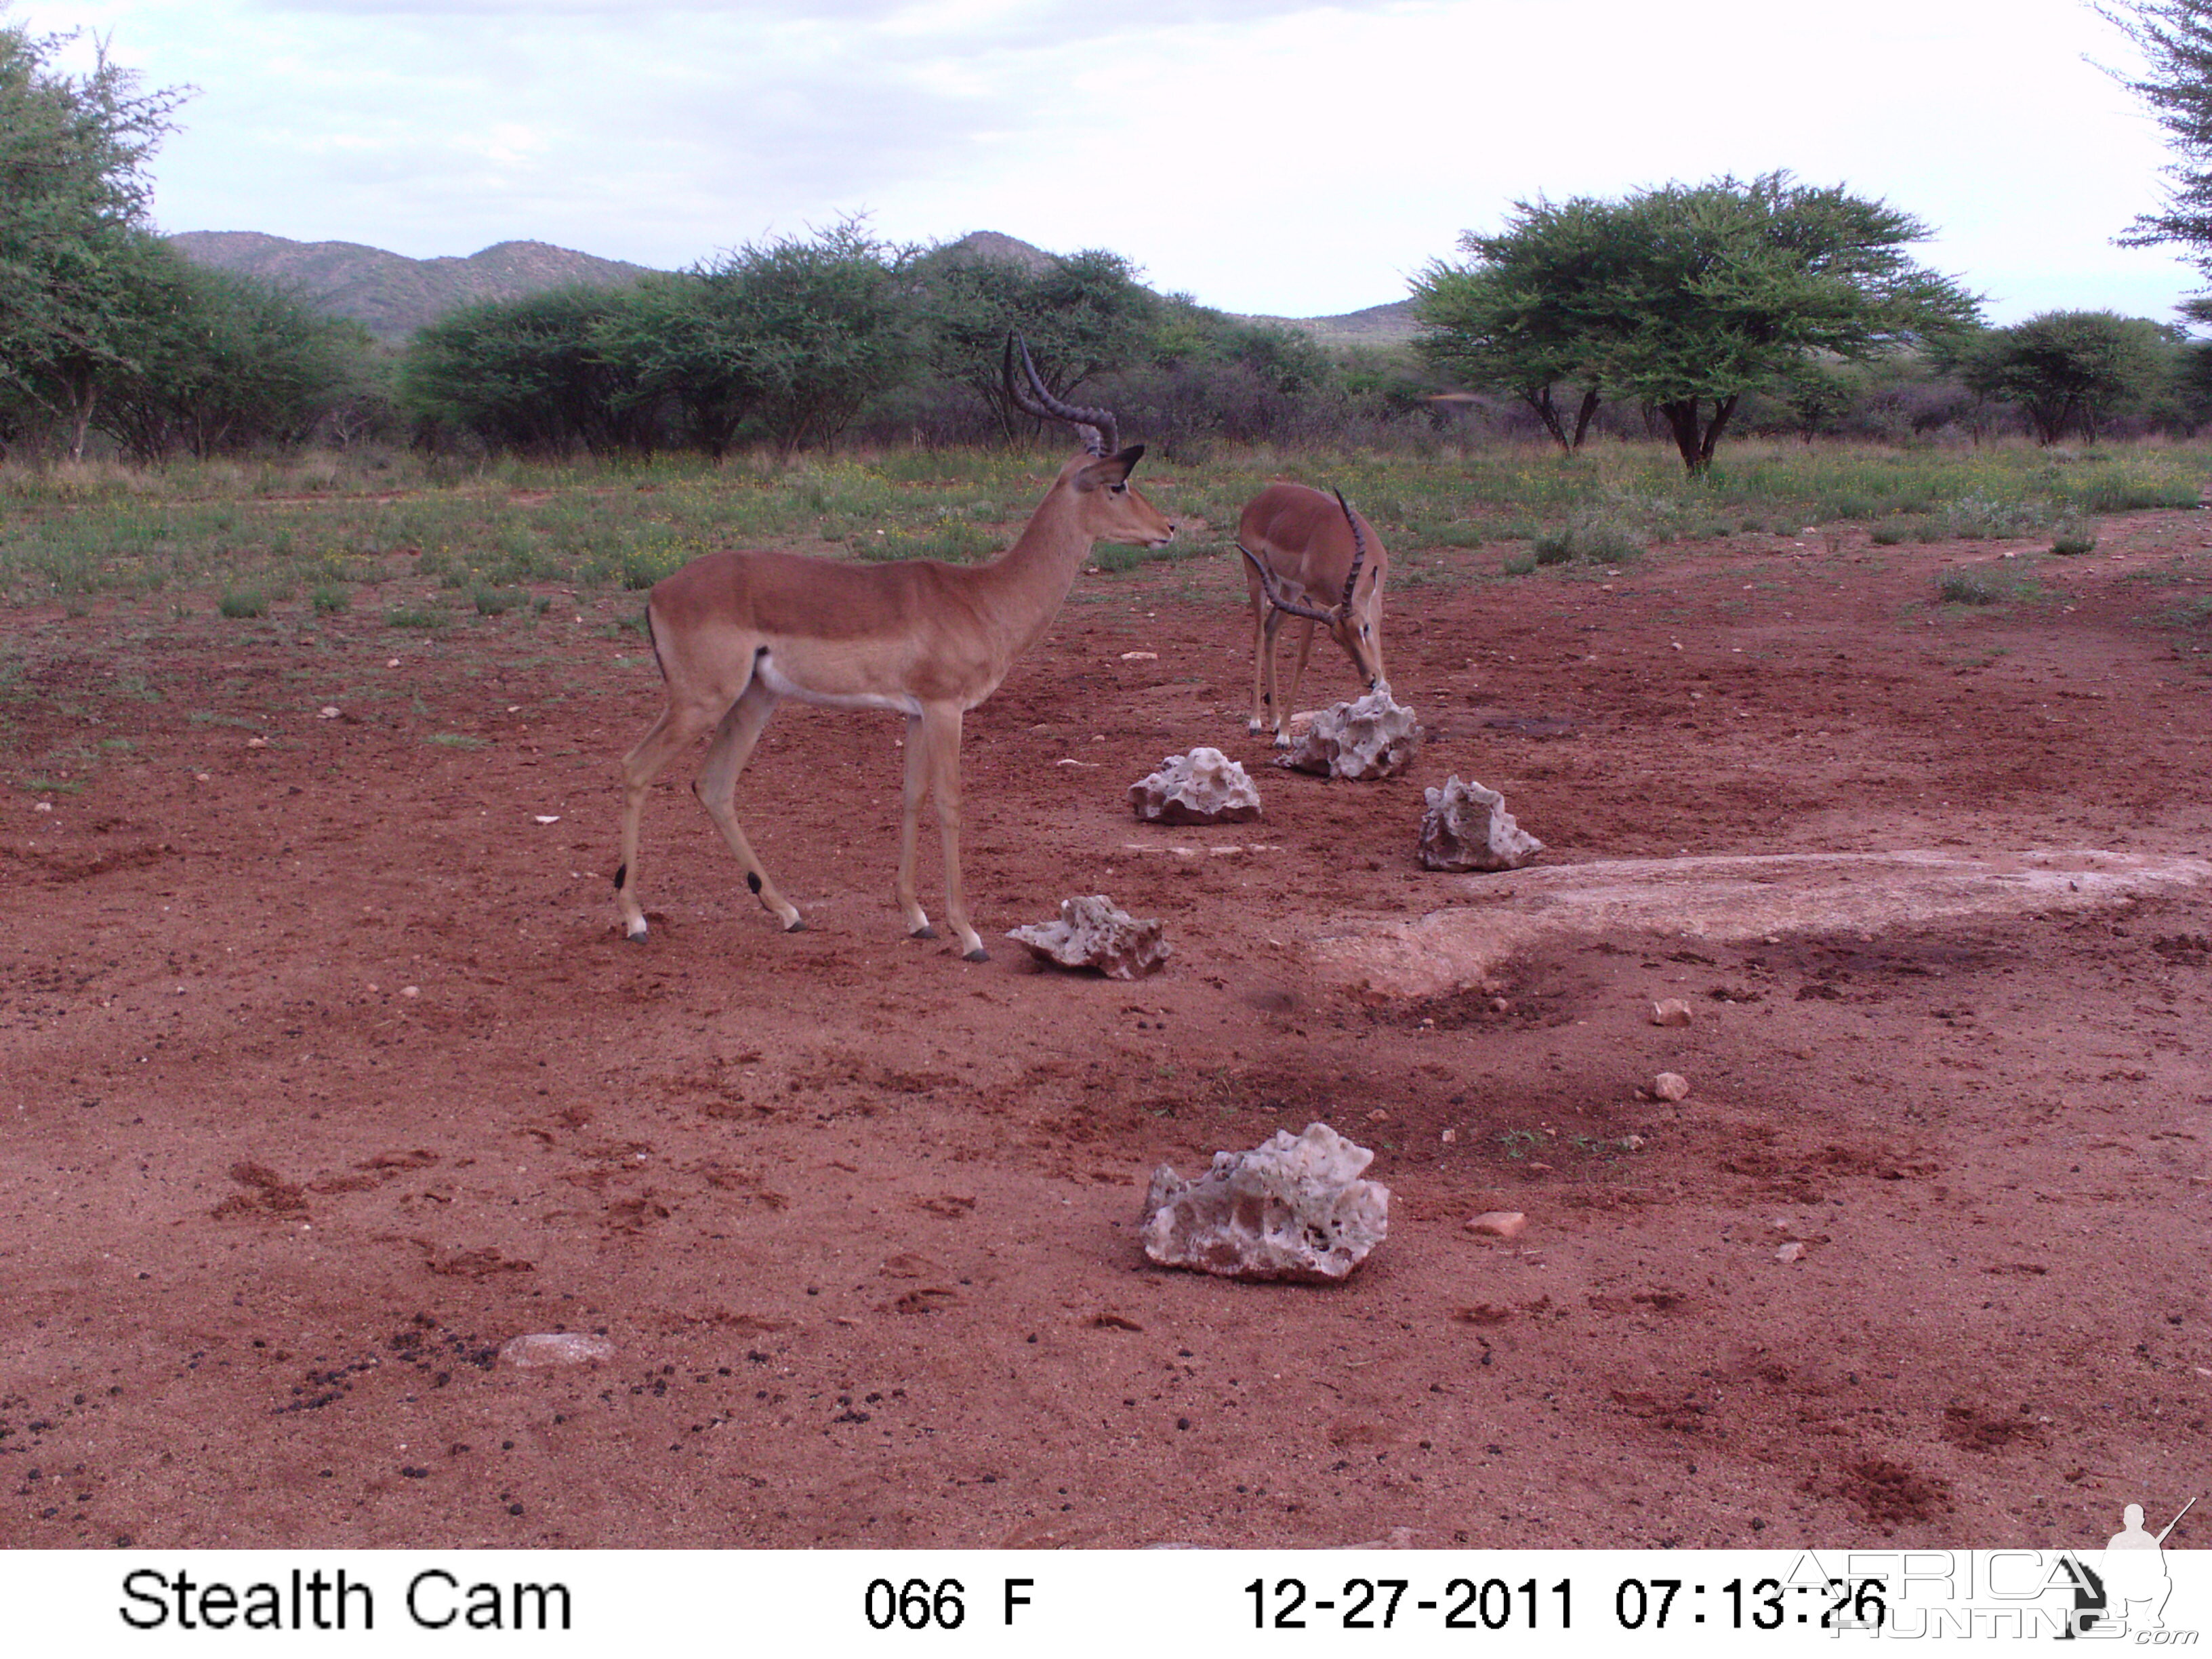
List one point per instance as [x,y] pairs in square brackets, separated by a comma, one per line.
[1111,469]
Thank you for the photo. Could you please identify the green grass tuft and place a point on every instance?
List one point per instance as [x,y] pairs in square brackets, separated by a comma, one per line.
[2073,537]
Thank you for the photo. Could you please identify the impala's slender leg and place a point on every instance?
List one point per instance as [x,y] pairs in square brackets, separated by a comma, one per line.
[678,728]
[940,737]
[1278,711]
[717,789]
[917,785]
[1263,666]
[1298,677]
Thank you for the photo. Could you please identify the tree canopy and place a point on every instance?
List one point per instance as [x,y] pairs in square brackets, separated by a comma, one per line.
[808,329]
[532,373]
[2175,38]
[1082,315]
[1518,317]
[1682,298]
[104,327]
[2069,370]
[73,199]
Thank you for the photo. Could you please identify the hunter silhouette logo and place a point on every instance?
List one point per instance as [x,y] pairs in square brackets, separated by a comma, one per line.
[2127,1590]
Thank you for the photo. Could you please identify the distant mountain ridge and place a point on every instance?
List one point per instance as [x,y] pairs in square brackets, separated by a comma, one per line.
[391,295]
[1378,326]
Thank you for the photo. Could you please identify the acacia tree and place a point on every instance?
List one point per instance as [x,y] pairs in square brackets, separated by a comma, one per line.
[221,361]
[73,204]
[1685,297]
[802,332]
[2071,369]
[1511,319]
[673,340]
[530,374]
[1081,315]
[2175,38]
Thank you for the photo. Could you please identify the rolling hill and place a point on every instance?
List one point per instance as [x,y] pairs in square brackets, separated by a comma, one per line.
[391,295]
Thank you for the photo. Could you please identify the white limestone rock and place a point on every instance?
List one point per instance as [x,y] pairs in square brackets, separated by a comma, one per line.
[1204,787]
[1293,1208]
[1092,933]
[1372,737]
[556,1348]
[1466,827]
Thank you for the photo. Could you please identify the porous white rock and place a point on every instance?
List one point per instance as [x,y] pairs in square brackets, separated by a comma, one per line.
[1091,933]
[1204,787]
[1673,1011]
[1294,1207]
[1466,827]
[1372,737]
[1671,1085]
[555,1348]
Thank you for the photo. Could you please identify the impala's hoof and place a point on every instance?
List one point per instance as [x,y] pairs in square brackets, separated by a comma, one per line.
[979,954]
[1255,728]
[796,926]
[923,932]
[637,938]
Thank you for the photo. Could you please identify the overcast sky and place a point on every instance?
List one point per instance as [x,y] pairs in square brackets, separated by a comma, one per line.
[1263,156]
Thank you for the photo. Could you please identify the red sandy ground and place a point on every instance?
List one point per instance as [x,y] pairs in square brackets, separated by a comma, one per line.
[859,1217]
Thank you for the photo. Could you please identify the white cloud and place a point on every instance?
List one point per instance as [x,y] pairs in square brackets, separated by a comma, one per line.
[1265,154]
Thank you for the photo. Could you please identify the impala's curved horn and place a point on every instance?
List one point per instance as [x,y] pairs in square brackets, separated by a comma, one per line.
[1358,552]
[1275,593]
[1097,429]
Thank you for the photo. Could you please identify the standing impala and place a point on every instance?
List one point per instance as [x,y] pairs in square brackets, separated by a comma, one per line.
[1297,541]
[735,632]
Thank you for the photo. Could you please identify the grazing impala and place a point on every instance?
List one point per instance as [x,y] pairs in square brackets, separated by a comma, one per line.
[734,633]
[1297,542]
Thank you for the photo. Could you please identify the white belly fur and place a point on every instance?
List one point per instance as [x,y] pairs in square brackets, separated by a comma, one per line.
[783,685]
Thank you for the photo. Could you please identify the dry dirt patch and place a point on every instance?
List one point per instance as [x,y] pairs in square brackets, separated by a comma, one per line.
[1735,898]
[858,1218]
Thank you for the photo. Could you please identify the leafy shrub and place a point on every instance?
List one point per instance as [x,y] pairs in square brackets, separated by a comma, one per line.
[1985,518]
[243,602]
[498,601]
[1595,536]
[329,598]
[1960,587]
[2073,536]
